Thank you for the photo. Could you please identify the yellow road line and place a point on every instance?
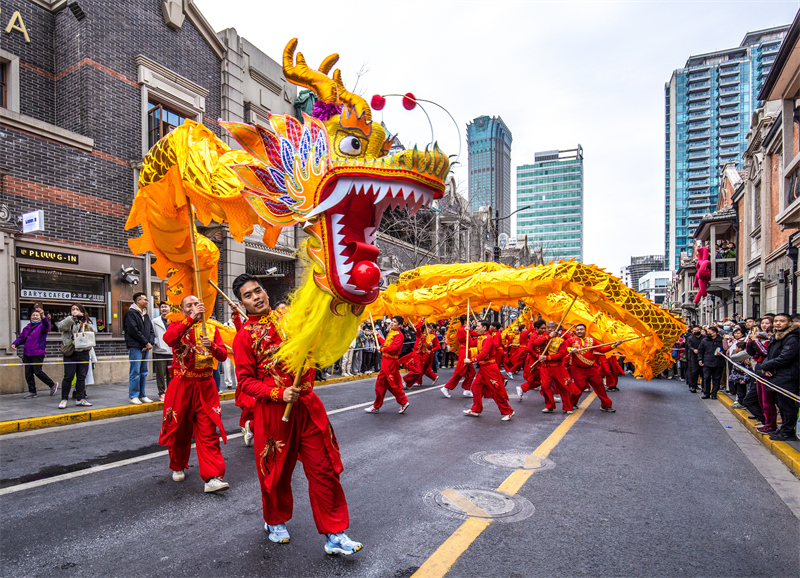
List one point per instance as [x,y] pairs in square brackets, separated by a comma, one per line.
[464,504]
[448,553]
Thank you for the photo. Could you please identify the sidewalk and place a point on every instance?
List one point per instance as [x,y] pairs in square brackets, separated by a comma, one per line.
[787,452]
[109,400]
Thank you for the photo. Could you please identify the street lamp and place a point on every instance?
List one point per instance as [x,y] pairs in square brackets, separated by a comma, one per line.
[496,219]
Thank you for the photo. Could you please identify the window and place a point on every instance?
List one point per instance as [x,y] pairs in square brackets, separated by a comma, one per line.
[160,121]
[3,86]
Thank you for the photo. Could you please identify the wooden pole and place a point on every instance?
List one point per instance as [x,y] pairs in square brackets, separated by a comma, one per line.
[193,241]
[233,305]
[487,310]
[289,405]
[563,318]
[374,333]
[466,353]
[609,343]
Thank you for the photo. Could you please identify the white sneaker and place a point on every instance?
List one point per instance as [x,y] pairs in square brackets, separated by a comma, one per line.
[510,375]
[507,417]
[467,393]
[435,381]
[83,402]
[179,476]
[404,407]
[445,392]
[248,435]
[145,399]
[215,485]
[471,413]
[520,393]
[62,404]
[136,401]
[546,410]
[372,409]
[161,397]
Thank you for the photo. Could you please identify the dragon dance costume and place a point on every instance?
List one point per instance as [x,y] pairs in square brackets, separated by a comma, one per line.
[308,435]
[191,403]
[554,376]
[488,381]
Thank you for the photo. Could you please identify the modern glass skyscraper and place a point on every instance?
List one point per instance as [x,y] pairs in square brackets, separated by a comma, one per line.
[489,142]
[553,188]
[709,103]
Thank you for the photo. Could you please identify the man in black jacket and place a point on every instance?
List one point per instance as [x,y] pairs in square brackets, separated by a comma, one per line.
[139,338]
[781,367]
[712,363]
[692,342]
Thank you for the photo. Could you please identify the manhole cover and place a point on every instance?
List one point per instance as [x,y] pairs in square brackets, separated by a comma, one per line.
[515,460]
[479,503]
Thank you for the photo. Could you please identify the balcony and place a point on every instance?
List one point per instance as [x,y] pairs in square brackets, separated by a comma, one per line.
[699,86]
[699,126]
[728,91]
[698,185]
[729,122]
[729,81]
[729,100]
[729,153]
[729,111]
[698,97]
[790,215]
[724,269]
[693,176]
[699,105]
[728,71]
[729,131]
[698,155]
[699,135]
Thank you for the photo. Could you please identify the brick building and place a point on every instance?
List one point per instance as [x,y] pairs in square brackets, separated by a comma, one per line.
[86,87]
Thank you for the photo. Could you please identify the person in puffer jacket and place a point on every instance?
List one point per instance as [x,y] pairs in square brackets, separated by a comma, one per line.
[781,367]
[33,339]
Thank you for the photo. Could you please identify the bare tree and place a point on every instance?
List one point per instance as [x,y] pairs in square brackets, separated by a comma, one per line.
[363,71]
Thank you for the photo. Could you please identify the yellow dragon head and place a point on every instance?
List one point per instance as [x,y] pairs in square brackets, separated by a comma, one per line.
[333,174]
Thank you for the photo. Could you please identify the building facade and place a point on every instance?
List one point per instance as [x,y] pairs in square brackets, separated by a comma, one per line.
[639,267]
[708,105]
[489,165]
[653,285]
[552,190]
[86,91]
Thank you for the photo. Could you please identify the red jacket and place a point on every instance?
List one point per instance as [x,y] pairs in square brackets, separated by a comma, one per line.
[392,345]
[488,350]
[184,339]
[585,359]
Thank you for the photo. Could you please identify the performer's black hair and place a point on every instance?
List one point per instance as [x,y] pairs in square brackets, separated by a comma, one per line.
[580,325]
[539,323]
[399,319]
[239,282]
[463,319]
[484,323]
[496,325]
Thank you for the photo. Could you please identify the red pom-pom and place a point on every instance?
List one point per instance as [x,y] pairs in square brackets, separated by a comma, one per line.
[378,102]
[366,275]
[409,101]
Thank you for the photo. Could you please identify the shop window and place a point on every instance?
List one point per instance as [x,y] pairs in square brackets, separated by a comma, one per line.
[161,121]
[56,291]
[3,86]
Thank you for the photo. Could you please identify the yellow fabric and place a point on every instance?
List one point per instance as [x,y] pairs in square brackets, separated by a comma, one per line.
[610,310]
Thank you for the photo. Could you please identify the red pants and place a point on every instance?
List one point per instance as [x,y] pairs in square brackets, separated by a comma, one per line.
[556,380]
[612,379]
[516,359]
[415,364]
[427,367]
[489,383]
[585,377]
[462,370]
[389,379]
[278,446]
[195,419]
[247,403]
[533,379]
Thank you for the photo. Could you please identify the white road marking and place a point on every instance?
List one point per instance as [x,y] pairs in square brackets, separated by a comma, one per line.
[129,461]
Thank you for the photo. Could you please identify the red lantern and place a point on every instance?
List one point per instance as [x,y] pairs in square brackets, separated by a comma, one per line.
[409,101]
[378,102]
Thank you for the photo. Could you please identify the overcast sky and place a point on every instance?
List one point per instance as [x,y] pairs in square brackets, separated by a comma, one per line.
[558,73]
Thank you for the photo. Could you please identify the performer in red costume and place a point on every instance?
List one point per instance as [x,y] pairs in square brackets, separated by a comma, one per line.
[488,382]
[419,362]
[389,375]
[307,436]
[500,353]
[463,370]
[584,367]
[191,404]
[554,376]
[614,371]
[533,377]
[516,348]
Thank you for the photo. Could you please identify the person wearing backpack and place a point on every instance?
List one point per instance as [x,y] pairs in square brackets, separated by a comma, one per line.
[33,339]
[75,347]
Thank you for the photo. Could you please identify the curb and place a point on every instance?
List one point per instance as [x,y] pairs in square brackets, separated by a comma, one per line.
[13,426]
[781,450]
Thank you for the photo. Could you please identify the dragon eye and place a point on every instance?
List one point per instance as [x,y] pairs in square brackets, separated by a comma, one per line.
[350,145]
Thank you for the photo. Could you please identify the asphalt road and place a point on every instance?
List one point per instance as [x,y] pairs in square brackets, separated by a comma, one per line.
[656,489]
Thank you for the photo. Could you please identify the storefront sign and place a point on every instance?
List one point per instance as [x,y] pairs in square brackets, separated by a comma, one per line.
[15,23]
[33,222]
[57,285]
[55,256]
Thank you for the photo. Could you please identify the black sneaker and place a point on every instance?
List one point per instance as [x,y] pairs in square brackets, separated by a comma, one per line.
[781,436]
[713,396]
[706,396]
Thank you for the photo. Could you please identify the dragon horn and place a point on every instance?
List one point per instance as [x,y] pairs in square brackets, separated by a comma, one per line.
[350,99]
[302,75]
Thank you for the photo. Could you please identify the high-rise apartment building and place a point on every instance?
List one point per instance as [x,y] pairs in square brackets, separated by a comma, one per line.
[709,103]
[552,188]
[639,267]
[489,142]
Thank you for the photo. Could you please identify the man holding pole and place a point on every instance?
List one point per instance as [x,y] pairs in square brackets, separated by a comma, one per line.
[463,370]
[191,403]
[584,352]
[306,434]
[554,376]
[389,375]
[488,382]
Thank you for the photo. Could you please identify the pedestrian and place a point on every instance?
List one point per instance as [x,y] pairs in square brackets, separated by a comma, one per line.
[709,358]
[139,339]
[33,340]
[347,359]
[76,355]
[693,369]
[162,353]
[782,368]
[191,403]
[306,434]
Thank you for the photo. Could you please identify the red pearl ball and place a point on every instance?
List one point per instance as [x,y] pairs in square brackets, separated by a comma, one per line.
[409,101]
[378,102]
[366,275]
